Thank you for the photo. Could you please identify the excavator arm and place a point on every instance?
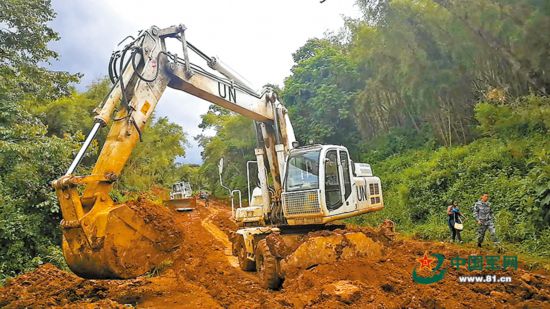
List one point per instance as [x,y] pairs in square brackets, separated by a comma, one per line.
[102,239]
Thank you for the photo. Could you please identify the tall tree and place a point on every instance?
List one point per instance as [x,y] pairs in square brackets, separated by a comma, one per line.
[510,30]
[72,113]
[425,63]
[320,92]
[234,140]
[29,159]
[24,36]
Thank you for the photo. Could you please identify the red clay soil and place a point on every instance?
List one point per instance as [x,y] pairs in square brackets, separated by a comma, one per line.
[200,275]
[160,218]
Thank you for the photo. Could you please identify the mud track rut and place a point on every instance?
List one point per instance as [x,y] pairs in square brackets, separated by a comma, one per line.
[220,236]
[203,274]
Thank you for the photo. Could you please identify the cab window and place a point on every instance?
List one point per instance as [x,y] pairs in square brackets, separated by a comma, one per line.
[303,171]
[333,193]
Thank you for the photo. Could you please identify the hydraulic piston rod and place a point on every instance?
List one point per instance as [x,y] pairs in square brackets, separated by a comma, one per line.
[83,149]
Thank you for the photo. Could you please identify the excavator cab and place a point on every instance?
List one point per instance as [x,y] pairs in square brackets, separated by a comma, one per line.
[319,184]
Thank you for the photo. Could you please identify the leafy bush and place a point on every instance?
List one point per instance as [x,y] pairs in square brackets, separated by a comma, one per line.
[525,116]
[511,163]
[29,213]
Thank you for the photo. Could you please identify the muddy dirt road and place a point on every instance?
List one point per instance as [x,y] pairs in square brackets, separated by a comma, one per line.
[203,274]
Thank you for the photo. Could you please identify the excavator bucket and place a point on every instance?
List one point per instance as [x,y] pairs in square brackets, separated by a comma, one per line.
[102,239]
[119,241]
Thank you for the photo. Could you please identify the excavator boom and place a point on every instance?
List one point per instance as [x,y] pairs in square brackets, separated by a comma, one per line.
[102,239]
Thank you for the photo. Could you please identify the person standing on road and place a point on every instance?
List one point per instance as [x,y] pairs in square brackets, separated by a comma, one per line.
[454,217]
[204,196]
[483,213]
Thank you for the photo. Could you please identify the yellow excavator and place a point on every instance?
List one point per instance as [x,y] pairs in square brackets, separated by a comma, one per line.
[301,188]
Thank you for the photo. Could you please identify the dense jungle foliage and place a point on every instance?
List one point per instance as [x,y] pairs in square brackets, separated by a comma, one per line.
[43,121]
[444,98]
[510,161]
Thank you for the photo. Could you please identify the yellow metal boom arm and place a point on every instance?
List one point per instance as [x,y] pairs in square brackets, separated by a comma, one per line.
[102,239]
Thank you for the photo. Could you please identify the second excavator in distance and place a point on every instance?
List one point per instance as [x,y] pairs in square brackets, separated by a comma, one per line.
[301,188]
[181,197]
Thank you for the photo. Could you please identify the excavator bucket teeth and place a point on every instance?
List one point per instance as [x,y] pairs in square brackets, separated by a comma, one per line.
[130,240]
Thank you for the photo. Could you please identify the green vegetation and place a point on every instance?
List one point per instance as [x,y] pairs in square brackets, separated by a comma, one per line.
[446,99]
[418,67]
[410,74]
[320,92]
[193,174]
[511,162]
[42,124]
[29,158]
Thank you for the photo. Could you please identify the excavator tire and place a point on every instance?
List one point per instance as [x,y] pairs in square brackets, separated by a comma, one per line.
[240,250]
[266,266]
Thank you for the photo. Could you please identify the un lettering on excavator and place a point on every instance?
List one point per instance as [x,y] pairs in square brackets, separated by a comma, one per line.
[361,193]
[227,92]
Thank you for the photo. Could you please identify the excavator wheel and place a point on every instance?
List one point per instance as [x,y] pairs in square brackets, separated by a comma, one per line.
[240,250]
[267,266]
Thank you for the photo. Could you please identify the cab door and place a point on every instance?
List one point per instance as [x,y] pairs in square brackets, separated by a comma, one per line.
[337,180]
[345,175]
[333,183]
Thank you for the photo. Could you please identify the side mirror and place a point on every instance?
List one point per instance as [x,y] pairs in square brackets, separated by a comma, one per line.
[220,166]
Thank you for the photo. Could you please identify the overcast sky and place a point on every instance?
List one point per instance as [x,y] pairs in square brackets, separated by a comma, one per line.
[254,37]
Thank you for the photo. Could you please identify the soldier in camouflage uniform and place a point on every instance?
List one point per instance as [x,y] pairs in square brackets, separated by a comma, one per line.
[483,213]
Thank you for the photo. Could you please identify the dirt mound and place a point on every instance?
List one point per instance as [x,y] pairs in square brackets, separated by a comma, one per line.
[49,286]
[378,273]
[330,248]
[387,282]
[223,218]
[160,218]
